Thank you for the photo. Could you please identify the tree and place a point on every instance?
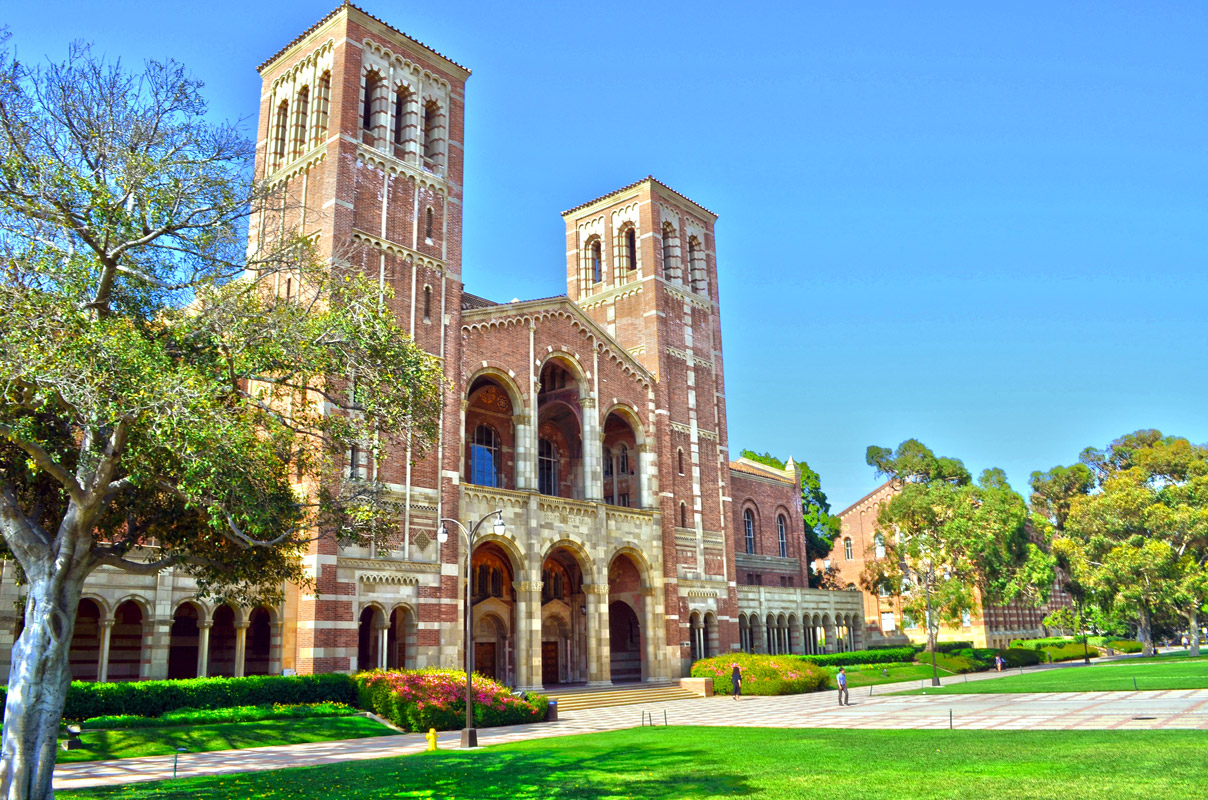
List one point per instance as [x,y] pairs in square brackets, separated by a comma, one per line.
[1053,494]
[1141,537]
[821,527]
[153,385]
[949,541]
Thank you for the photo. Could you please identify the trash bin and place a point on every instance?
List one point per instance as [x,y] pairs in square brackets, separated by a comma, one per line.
[551,714]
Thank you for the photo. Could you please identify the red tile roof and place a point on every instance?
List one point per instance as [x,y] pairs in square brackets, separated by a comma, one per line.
[630,186]
[761,470]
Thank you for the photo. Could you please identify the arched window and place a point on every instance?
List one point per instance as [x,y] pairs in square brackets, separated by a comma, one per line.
[547,467]
[429,221]
[597,272]
[301,118]
[484,457]
[696,265]
[670,252]
[427,304]
[322,105]
[607,463]
[782,535]
[683,515]
[680,456]
[623,461]
[373,86]
[402,101]
[879,542]
[431,147]
[280,133]
[847,550]
[748,525]
[631,249]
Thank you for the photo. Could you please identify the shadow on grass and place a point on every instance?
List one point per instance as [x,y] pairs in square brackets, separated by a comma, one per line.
[594,772]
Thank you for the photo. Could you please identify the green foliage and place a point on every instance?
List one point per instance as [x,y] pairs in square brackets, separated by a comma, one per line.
[886,655]
[417,700]
[953,662]
[155,698]
[1069,652]
[762,674]
[1019,657]
[948,647]
[1121,645]
[213,716]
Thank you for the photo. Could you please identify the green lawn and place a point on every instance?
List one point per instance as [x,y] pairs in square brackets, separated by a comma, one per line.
[229,736]
[744,762]
[1167,672]
[872,674]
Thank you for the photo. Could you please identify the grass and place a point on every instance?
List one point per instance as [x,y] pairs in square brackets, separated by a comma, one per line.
[99,745]
[871,674]
[1151,674]
[687,762]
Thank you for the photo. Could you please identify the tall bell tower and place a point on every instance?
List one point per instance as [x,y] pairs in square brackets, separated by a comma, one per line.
[641,262]
[360,132]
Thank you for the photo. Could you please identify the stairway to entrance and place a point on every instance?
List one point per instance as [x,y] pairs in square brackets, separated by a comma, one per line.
[576,699]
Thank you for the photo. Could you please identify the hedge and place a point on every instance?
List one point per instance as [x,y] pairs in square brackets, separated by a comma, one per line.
[1020,657]
[1070,651]
[417,700]
[887,655]
[216,716]
[763,674]
[155,698]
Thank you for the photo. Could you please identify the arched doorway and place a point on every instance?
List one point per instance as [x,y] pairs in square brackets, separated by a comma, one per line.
[696,637]
[625,603]
[400,639]
[712,639]
[493,598]
[559,432]
[368,644]
[563,619]
[259,644]
[126,642]
[85,652]
[222,643]
[184,642]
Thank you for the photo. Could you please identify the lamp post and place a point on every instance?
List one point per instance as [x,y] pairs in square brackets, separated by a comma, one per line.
[469,736]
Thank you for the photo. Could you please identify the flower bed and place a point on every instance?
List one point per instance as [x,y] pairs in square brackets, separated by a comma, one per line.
[762,674]
[417,700]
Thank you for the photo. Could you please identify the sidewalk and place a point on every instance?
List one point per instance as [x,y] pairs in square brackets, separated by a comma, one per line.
[1173,709]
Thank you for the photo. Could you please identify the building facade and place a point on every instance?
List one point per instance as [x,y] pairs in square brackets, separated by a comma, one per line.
[595,421]
[859,542]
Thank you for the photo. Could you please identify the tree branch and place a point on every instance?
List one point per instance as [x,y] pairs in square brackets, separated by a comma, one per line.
[45,462]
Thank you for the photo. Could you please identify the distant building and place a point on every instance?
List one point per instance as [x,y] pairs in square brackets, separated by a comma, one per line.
[859,543]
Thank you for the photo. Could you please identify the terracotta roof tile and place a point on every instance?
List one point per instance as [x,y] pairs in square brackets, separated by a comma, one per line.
[639,182]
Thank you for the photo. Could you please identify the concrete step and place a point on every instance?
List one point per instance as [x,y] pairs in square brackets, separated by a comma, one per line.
[577,700]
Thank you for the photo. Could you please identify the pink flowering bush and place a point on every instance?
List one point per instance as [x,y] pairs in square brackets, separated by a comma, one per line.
[762,674]
[417,700]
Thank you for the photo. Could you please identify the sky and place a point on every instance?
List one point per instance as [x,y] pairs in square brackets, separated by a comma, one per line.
[981,225]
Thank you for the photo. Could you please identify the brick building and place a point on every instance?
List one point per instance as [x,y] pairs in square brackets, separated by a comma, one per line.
[595,421]
[986,626]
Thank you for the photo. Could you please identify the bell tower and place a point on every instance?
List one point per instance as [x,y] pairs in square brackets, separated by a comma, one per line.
[641,261]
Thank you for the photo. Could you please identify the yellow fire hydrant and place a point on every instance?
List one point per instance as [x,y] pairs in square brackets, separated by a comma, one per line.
[431,737]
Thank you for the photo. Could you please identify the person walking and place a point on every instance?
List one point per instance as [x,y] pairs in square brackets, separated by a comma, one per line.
[736,681]
[998,662]
[841,679]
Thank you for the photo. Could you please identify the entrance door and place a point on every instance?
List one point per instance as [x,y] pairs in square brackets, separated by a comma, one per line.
[549,663]
[484,659]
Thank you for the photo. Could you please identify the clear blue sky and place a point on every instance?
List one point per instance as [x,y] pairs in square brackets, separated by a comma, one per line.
[983,225]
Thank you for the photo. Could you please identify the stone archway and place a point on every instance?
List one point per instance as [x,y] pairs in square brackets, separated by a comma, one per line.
[563,618]
[126,643]
[223,650]
[259,647]
[184,642]
[626,634]
[368,639]
[493,598]
[85,650]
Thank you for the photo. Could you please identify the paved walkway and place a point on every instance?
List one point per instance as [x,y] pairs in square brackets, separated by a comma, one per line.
[1187,709]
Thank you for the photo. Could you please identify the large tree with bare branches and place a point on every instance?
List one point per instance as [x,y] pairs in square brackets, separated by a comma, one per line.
[160,401]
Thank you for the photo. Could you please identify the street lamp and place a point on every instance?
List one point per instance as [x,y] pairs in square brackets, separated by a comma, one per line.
[469,736]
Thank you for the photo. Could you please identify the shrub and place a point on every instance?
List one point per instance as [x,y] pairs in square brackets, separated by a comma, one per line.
[215,716]
[763,674]
[417,700]
[951,662]
[155,698]
[1020,657]
[1036,644]
[948,647]
[1124,645]
[887,655]
[1069,652]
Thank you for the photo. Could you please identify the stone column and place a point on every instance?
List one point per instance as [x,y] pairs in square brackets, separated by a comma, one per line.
[153,655]
[528,635]
[203,648]
[241,649]
[599,666]
[832,636]
[383,633]
[102,673]
[525,455]
[593,451]
[652,669]
[274,648]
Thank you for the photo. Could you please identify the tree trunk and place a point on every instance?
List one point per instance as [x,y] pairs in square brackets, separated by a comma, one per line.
[37,688]
[1145,631]
[1193,618]
[931,637]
